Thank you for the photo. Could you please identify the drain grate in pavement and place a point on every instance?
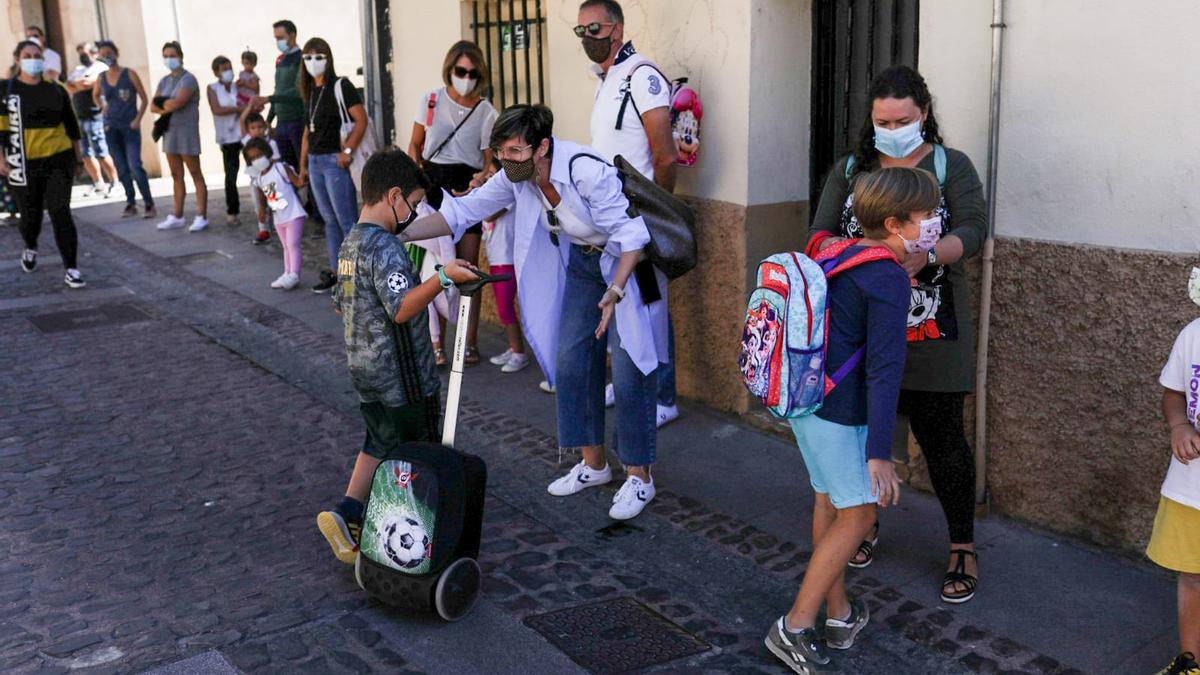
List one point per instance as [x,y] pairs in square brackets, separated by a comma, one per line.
[82,319]
[201,256]
[616,636]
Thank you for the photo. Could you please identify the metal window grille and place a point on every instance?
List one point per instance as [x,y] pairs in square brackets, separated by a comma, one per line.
[511,35]
[853,40]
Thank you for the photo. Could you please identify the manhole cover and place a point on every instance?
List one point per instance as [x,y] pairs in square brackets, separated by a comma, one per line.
[616,636]
[104,315]
[201,256]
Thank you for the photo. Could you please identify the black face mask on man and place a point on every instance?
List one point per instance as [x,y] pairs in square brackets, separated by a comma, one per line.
[408,220]
[597,49]
[85,59]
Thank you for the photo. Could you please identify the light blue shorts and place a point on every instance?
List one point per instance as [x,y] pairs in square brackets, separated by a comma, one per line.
[836,458]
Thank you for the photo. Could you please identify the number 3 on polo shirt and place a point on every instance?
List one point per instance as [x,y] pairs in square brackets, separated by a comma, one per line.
[655,86]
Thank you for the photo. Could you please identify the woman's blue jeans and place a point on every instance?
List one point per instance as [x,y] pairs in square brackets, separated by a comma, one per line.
[125,146]
[336,200]
[580,371]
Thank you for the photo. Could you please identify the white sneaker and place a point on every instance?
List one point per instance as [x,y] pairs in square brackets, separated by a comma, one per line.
[633,496]
[199,223]
[290,281]
[667,414]
[501,359]
[172,222]
[610,396]
[516,362]
[544,385]
[580,477]
[280,281]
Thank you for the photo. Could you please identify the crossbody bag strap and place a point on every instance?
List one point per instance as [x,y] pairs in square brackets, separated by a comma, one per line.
[629,93]
[455,131]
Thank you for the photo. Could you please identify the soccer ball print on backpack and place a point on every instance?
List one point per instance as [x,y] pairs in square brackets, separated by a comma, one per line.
[782,356]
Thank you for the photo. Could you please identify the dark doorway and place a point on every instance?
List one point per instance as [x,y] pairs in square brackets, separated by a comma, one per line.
[510,34]
[381,98]
[853,40]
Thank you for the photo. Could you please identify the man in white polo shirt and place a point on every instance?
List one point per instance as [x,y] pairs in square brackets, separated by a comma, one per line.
[631,117]
[51,59]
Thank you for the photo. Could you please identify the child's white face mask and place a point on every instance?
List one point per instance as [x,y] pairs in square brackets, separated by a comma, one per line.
[1194,285]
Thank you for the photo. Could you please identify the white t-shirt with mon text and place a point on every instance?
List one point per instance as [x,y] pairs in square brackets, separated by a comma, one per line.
[1182,374]
[649,90]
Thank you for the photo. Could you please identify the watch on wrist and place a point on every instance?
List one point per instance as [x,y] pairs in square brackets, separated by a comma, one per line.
[931,257]
[347,151]
[442,278]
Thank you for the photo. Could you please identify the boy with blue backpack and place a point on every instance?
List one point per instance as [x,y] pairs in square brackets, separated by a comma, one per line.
[848,306]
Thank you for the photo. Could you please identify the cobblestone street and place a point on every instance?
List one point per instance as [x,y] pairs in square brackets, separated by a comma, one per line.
[167,438]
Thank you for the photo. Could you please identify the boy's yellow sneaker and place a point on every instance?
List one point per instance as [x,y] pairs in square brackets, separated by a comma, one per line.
[1184,664]
[341,535]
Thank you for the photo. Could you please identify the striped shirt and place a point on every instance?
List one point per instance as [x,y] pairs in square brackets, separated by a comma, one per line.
[37,122]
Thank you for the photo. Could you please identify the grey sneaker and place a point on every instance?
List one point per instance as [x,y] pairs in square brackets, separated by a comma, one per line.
[841,634]
[802,652]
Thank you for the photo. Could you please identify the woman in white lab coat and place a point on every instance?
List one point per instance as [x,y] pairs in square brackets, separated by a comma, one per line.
[580,271]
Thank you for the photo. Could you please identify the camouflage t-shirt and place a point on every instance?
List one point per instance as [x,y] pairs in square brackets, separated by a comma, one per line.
[389,363]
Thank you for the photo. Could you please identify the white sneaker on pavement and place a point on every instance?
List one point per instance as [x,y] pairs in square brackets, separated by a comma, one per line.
[279,281]
[544,385]
[290,281]
[516,362]
[172,222]
[501,359]
[199,223]
[633,496]
[610,396]
[580,477]
[667,414]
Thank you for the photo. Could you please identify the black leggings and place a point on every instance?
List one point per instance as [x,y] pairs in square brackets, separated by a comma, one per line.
[936,419]
[48,188]
[230,153]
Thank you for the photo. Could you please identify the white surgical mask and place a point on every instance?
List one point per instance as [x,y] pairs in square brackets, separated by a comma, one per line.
[462,85]
[172,62]
[227,76]
[258,167]
[899,143]
[1194,285]
[282,45]
[315,68]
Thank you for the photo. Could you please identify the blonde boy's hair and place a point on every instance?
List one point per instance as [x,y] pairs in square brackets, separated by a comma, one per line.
[894,192]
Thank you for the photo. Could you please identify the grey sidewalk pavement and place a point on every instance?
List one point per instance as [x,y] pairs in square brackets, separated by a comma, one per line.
[718,553]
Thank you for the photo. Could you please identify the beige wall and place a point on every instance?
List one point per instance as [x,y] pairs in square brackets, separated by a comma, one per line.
[1089,89]
[422,32]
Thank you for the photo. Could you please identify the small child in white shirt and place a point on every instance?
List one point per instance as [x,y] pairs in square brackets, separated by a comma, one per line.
[277,183]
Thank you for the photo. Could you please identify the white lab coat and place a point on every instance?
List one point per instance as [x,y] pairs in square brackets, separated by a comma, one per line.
[594,197]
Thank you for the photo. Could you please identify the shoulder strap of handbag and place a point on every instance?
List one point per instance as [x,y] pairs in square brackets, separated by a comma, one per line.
[939,165]
[571,168]
[629,92]
[341,101]
[455,131]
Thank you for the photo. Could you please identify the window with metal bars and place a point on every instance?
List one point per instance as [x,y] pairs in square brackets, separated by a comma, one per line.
[511,35]
[853,40]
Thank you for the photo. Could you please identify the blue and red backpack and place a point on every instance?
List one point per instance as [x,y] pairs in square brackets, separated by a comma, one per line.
[784,341]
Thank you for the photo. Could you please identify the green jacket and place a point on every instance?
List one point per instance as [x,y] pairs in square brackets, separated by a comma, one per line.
[285,102]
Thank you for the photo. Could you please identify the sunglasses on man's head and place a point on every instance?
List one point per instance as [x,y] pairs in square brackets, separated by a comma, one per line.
[466,73]
[314,57]
[593,29]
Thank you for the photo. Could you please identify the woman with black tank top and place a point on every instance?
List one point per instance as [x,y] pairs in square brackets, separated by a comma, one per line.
[450,142]
[122,100]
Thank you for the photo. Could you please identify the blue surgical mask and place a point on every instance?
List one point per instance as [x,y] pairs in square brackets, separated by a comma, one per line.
[33,67]
[172,62]
[899,143]
[282,44]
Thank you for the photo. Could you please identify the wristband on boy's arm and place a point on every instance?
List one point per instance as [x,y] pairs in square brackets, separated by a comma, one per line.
[442,278]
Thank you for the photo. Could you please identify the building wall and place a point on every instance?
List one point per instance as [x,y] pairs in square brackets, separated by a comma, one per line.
[1097,227]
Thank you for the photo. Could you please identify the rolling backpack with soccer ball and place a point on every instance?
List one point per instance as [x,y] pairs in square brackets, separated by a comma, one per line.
[782,356]
[424,514]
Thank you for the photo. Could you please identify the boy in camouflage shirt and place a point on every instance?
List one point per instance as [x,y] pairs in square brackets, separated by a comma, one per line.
[388,351]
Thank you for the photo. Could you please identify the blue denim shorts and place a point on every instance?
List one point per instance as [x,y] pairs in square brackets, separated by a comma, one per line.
[836,458]
[92,138]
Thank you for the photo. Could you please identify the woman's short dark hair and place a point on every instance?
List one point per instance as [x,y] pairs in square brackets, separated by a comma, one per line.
[471,51]
[251,57]
[894,192]
[219,62]
[895,82]
[259,144]
[101,44]
[173,44]
[534,123]
[390,168]
[305,81]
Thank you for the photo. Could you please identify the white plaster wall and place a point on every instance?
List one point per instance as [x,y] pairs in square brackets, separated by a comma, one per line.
[780,108]
[1097,100]
[422,32]
[706,40]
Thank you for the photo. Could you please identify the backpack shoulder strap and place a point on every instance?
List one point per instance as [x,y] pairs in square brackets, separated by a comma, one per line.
[872,254]
[939,164]
[628,98]
[430,108]
[849,166]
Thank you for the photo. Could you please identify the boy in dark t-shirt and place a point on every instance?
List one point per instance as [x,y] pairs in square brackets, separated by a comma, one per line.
[383,308]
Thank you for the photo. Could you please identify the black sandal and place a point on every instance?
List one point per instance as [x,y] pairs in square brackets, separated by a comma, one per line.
[959,576]
[866,550]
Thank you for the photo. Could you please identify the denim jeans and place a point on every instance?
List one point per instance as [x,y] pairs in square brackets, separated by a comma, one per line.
[666,371]
[579,372]
[125,145]
[334,191]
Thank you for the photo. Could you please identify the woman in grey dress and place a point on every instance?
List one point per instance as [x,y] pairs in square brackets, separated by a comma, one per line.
[177,95]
